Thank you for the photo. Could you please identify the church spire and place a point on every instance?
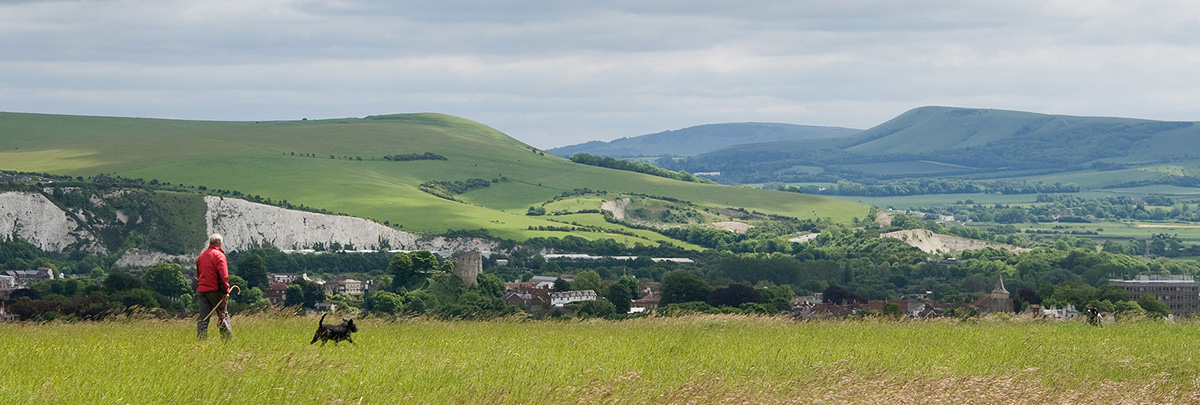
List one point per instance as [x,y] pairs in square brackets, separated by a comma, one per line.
[1000,287]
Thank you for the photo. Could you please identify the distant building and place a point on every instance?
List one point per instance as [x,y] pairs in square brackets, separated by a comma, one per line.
[1180,293]
[547,282]
[996,301]
[276,293]
[322,307]
[283,278]
[534,301]
[351,286]
[561,298]
[23,278]
[646,303]
[467,267]
[343,285]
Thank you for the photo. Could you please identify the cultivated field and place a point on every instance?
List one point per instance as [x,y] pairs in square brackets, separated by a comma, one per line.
[703,359]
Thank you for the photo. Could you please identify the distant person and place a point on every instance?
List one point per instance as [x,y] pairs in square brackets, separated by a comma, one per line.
[212,289]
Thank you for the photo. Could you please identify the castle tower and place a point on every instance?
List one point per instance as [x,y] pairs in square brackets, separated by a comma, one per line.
[467,267]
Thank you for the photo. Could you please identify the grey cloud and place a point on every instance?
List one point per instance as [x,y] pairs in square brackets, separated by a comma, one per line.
[561,72]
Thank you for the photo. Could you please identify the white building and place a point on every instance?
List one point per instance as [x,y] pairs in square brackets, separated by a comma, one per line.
[558,299]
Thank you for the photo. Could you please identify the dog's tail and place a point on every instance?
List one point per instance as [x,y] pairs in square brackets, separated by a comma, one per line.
[322,321]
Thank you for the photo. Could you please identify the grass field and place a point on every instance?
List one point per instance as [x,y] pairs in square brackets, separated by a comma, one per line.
[317,163]
[699,359]
[1189,233]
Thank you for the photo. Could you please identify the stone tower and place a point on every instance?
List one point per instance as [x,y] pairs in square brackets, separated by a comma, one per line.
[467,267]
[996,301]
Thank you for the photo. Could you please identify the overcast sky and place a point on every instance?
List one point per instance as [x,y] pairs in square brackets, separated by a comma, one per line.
[559,72]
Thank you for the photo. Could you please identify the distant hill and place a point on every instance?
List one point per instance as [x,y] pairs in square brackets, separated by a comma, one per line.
[428,174]
[701,139]
[972,143]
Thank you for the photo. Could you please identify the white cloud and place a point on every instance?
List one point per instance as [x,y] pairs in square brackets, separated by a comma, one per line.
[565,72]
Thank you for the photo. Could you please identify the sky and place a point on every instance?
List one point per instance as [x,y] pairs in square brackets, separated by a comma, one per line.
[562,72]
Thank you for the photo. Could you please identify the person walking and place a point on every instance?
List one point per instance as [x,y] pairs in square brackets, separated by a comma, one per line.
[212,288]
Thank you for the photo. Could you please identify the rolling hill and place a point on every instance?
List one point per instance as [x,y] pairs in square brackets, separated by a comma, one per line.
[973,143]
[389,169]
[701,139]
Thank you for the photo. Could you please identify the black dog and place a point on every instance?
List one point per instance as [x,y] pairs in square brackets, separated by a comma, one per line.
[336,333]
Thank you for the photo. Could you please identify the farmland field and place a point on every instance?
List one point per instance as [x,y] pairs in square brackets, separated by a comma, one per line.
[707,359]
[1116,230]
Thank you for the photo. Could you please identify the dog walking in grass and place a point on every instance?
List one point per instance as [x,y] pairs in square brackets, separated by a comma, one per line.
[336,333]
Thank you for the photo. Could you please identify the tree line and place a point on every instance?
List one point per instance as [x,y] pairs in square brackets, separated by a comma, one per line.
[645,168]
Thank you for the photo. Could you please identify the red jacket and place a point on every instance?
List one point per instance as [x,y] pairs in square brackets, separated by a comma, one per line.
[212,271]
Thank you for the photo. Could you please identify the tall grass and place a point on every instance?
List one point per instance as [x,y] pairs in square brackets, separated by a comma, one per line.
[691,359]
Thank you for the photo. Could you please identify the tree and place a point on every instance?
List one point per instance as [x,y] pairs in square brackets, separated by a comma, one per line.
[595,309]
[586,280]
[839,295]
[561,285]
[294,296]
[401,269]
[681,286]
[892,310]
[253,268]
[166,279]
[630,283]
[490,285]
[1029,296]
[117,282]
[734,296]
[620,298]
[1153,306]
[424,261]
[386,302]
[312,293]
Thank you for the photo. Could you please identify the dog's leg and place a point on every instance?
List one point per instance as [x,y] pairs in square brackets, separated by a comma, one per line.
[315,337]
[351,340]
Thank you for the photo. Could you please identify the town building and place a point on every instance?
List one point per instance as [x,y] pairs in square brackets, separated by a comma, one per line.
[23,278]
[561,298]
[1180,293]
[343,285]
[534,301]
[547,282]
[276,293]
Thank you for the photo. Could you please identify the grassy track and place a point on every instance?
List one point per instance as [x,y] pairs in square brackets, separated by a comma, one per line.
[705,359]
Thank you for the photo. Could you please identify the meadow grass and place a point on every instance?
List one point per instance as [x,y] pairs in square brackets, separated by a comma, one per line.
[702,359]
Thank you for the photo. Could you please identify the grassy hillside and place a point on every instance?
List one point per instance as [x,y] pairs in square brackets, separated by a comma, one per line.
[697,359]
[702,139]
[338,165]
[976,144]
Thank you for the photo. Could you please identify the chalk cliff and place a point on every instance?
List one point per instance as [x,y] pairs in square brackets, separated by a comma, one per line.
[35,219]
[243,223]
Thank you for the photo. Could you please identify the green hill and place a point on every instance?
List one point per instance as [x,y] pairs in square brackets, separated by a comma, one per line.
[701,139]
[339,165]
[969,143]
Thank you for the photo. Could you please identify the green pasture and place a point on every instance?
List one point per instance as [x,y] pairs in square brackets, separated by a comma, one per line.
[576,204]
[270,159]
[933,200]
[642,235]
[701,359]
[1116,230]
